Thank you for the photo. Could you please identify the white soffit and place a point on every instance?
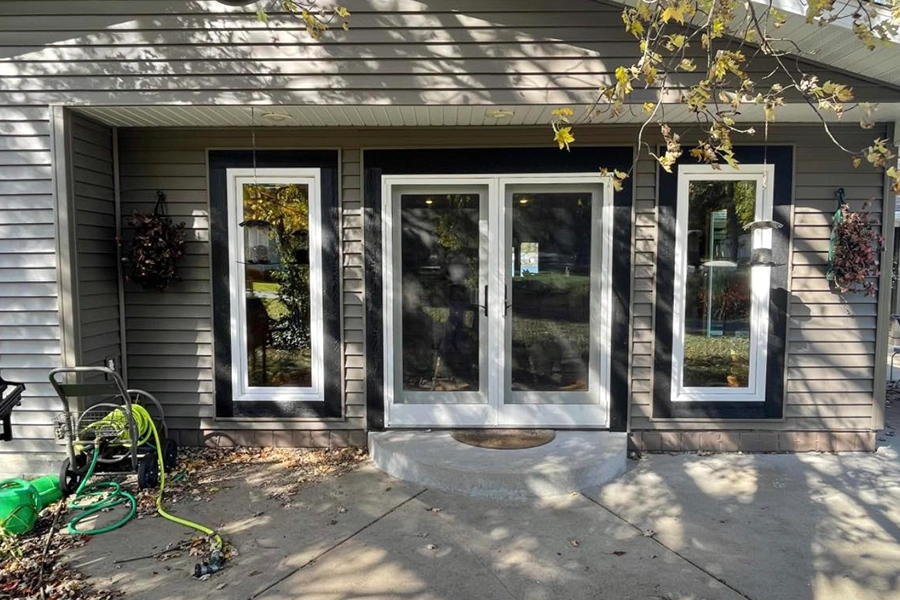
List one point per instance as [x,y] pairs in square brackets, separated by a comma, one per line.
[413,116]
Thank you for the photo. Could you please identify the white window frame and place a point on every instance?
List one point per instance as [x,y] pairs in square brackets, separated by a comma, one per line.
[241,389]
[764,176]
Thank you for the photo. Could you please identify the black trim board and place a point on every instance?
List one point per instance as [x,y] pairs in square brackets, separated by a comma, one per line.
[663,407]
[327,162]
[492,161]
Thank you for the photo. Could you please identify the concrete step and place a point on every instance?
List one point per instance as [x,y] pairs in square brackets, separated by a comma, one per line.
[573,461]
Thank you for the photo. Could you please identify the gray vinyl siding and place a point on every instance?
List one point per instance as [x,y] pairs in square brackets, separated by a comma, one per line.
[170,334]
[831,356]
[170,339]
[93,194]
[448,52]
[29,319]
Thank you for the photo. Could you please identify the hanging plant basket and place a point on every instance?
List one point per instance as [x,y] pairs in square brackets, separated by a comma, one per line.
[855,252]
[151,257]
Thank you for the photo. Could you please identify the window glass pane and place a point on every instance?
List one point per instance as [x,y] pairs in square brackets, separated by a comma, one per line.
[551,291]
[277,292]
[439,249]
[718,301]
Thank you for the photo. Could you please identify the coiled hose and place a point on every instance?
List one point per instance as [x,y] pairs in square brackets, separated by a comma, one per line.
[110,493]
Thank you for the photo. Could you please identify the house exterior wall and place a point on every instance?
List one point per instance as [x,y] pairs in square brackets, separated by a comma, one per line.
[834,363]
[831,360]
[30,334]
[399,64]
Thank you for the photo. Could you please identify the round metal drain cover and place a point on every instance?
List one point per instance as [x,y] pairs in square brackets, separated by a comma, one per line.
[504,439]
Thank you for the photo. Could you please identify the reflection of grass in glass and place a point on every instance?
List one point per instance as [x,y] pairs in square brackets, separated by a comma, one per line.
[708,361]
[269,287]
[283,367]
[527,331]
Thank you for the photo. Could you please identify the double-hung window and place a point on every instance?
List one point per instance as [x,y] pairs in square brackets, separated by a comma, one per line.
[721,300]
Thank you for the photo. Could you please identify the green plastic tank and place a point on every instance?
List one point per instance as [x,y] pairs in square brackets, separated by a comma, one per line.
[47,490]
[18,506]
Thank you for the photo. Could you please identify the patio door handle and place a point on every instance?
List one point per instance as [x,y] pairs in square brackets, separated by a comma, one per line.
[506,303]
[484,306]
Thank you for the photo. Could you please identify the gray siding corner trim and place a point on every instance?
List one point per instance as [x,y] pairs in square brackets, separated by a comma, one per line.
[66,249]
[885,285]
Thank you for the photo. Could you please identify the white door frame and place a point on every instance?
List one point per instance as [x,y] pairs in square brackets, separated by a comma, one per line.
[493,412]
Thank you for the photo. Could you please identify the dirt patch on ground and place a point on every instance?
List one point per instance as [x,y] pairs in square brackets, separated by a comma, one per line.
[34,566]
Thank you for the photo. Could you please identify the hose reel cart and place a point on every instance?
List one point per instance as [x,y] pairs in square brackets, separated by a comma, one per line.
[112,421]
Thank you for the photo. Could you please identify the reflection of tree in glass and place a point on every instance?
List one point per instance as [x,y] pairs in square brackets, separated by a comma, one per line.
[738,198]
[285,208]
[457,233]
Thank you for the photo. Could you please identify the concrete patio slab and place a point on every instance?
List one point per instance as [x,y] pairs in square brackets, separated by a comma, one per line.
[478,549]
[272,539]
[793,527]
[683,527]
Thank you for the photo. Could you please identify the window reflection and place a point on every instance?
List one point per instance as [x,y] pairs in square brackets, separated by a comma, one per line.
[440,290]
[718,296]
[276,276]
[550,295]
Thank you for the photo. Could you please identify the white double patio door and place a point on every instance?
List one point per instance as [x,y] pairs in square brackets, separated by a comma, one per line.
[497,300]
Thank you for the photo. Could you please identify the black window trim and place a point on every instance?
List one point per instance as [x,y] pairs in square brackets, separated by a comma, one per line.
[328,162]
[782,157]
[490,161]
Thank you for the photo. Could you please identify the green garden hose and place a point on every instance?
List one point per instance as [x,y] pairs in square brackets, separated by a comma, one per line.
[111,494]
[107,493]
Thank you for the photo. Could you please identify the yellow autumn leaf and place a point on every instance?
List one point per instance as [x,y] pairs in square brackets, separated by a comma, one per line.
[563,137]
[856,162]
[673,11]
[649,106]
[688,65]
[562,112]
[342,12]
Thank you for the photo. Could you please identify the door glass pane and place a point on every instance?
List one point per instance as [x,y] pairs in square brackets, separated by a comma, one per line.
[718,284]
[441,291]
[276,278]
[550,291]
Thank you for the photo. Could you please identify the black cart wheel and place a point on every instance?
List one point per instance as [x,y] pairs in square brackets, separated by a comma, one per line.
[71,477]
[148,471]
[170,455]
